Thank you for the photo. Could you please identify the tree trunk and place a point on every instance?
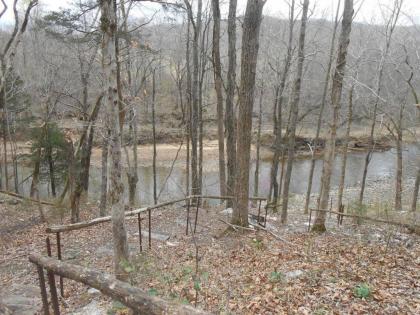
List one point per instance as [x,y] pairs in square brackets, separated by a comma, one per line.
[104,176]
[195,94]
[86,161]
[294,109]
[250,45]
[109,65]
[75,184]
[399,174]
[218,85]
[257,158]
[50,161]
[345,149]
[230,95]
[154,139]
[35,174]
[274,186]
[4,129]
[188,112]
[337,86]
[416,191]
[321,110]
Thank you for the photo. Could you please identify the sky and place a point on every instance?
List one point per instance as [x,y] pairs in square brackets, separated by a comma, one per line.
[370,10]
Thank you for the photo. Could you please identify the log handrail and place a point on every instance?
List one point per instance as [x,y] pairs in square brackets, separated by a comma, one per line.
[406,225]
[80,225]
[134,298]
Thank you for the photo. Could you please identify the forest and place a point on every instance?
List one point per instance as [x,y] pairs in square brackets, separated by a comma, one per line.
[209,157]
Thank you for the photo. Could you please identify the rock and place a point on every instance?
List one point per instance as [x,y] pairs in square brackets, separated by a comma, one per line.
[13,202]
[227,211]
[293,274]
[155,236]
[93,291]
[93,308]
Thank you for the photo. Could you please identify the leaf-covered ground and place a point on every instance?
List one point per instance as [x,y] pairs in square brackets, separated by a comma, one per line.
[367,269]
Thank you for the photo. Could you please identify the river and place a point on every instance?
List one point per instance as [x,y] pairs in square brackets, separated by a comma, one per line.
[381,166]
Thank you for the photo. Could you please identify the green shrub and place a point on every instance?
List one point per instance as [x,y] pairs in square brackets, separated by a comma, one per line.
[362,291]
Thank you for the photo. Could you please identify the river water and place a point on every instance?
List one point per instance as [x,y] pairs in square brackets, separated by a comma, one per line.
[381,166]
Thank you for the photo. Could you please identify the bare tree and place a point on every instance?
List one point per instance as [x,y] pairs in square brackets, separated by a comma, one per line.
[109,65]
[294,111]
[196,25]
[218,85]
[337,86]
[230,120]
[7,55]
[258,145]
[250,45]
[345,149]
[278,112]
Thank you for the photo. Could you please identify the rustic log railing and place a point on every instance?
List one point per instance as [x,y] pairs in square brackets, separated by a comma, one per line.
[57,229]
[136,299]
[341,215]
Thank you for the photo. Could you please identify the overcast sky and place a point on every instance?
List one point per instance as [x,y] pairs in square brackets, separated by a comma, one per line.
[370,10]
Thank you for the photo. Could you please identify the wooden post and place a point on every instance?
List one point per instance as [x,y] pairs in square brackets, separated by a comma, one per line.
[43,290]
[140,240]
[53,292]
[59,258]
[150,228]
[51,281]
[48,246]
[265,218]
[259,212]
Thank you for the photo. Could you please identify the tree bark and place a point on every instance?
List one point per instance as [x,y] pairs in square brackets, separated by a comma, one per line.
[416,191]
[195,93]
[154,139]
[257,157]
[35,174]
[337,86]
[109,65]
[345,150]
[399,174]
[230,120]
[294,109]
[188,111]
[250,45]
[218,85]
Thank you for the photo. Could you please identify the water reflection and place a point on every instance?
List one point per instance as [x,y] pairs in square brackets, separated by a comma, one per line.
[382,165]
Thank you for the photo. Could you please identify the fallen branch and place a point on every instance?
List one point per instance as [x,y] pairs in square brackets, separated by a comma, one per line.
[236,227]
[272,234]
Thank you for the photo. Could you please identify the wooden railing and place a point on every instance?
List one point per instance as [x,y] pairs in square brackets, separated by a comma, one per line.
[58,229]
[80,225]
[136,299]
